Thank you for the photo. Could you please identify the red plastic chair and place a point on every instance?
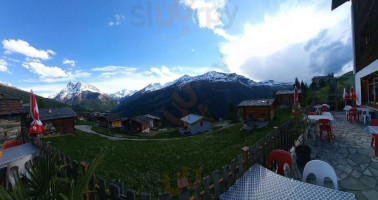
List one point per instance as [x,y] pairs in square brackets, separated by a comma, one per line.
[352,113]
[11,143]
[312,113]
[324,108]
[374,122]
[325,125]
[281,157]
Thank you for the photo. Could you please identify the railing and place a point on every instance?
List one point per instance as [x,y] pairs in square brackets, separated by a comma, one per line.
[208,188]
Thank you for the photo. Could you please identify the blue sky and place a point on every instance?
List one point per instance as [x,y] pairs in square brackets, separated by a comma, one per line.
[121,44]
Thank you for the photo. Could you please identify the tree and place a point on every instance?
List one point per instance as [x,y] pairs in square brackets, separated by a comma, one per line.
[296,82]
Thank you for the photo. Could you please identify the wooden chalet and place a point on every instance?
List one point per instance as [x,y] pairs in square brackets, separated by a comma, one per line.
[154,121]
[194,124]
[137,124]
[83,116]
[258,109]
[58,120]
[365,48]
[287,96]
[111,120]
[11,123]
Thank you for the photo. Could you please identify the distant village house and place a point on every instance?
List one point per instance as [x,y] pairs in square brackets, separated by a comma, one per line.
[111,120]
[258,109]
[138,124]
[287,96]
[58,120]
[154,121]
[83,116]
[194,124]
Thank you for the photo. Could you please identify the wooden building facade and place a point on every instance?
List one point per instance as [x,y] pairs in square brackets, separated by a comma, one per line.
[287,96]
[365,46]
[58,120]
[11,123]
[258,109]
[111,120]
[137,124]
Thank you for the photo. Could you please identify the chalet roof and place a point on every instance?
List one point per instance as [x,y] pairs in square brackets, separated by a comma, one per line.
[11,107]
[141,119]
[112,117]
[191,118]
[256,102]
[280,92]
[337,3]
[152,117]
[56,113]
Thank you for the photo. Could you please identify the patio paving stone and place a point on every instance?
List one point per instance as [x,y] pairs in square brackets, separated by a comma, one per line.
[350,155]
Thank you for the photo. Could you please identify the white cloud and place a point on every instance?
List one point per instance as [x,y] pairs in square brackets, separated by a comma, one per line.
[208,12]
[3,66]
[224,34]
[277,46]
[44,71]
[114,68]
[117,21]
[69,62]
[22,47]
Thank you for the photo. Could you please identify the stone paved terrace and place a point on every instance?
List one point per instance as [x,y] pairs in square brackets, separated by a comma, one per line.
[350,155]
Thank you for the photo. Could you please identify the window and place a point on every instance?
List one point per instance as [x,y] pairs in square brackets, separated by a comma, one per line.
[201,123]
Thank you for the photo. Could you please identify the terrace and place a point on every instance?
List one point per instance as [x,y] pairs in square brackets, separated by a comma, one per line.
[350,155]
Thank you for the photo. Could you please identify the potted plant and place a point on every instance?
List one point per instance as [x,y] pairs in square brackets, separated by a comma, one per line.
[300,125]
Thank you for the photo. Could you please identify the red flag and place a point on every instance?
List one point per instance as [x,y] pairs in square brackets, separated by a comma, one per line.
[352,94]
[36,126]
[295,96]
[345,95]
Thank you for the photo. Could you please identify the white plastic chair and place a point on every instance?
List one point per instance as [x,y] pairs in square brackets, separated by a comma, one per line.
[321,170]
[18,165]
[365,114]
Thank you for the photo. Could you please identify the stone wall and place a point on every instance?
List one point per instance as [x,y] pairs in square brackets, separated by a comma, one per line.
[10,127]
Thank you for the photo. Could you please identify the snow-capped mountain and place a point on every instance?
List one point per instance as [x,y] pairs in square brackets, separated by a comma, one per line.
[73,89]
[212,77]
[122,94]
[213,91]
[85,97]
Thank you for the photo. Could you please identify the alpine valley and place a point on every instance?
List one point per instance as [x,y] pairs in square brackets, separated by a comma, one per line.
[212,92]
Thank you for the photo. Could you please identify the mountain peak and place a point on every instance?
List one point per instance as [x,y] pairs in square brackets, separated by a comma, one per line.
[73,89]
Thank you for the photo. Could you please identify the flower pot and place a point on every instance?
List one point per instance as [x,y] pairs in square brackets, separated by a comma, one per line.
[303,155]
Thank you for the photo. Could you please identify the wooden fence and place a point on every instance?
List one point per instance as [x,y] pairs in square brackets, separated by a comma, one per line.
[210,187]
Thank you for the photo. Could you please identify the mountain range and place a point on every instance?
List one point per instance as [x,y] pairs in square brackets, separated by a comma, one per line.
[85,97]
[210,93]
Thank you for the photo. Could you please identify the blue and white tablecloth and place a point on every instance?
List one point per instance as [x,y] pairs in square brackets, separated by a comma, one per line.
[261,183]
[17,152]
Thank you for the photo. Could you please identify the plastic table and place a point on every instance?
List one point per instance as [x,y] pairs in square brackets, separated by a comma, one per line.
[17,152]
[261,183]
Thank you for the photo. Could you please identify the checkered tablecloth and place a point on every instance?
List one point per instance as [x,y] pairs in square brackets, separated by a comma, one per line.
[261,183]
[372,129]
[17,152]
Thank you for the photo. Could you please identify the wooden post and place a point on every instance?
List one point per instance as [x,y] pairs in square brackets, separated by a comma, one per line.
[241,171]
[130,194]
[216,184]
[197,190]
[245,157]
[164,196]
[92,187]
[85,165]
[233,175]
[102,189]
[74,168]
[184,195]
[206,185]
[114,191]
[225,177]
[145,196]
